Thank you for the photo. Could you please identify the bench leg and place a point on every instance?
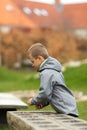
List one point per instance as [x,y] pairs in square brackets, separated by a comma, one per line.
[3,118]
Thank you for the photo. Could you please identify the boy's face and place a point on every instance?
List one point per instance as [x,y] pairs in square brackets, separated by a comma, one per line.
[36,62]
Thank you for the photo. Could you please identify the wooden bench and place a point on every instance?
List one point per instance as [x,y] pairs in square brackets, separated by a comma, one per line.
[26,120]
[9,102]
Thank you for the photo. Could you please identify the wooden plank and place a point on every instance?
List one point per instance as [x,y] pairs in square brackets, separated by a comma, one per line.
[10,101]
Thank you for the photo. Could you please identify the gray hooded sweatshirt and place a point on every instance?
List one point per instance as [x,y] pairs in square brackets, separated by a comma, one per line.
[53,89]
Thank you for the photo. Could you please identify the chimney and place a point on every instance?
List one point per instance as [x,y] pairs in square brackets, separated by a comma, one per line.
[57,2]
[58,5]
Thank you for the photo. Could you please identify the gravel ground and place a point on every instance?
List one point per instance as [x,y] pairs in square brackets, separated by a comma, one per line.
[80,96]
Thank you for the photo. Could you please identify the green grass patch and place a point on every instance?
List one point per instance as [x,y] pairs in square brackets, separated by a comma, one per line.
[76,78]
[15,80]
[4,128]
[82,109]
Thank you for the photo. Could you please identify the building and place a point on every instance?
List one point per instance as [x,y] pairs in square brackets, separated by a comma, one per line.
[26,14]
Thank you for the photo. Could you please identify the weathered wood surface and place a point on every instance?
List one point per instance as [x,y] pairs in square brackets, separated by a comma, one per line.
[43,121]
[9,102]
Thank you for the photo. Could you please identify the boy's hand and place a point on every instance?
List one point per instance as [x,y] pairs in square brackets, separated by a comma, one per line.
[39,106]
[29,101]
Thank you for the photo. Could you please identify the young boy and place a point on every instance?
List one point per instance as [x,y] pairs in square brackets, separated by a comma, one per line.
[53,89]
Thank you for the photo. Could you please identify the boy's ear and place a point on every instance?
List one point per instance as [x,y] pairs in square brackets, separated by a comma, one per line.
[40,57]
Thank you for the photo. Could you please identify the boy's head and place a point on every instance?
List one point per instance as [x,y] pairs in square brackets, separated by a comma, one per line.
[37,53]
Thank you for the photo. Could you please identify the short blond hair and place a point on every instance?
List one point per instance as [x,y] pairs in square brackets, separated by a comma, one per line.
[38,49]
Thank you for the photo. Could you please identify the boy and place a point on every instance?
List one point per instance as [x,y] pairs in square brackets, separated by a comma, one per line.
[53,89]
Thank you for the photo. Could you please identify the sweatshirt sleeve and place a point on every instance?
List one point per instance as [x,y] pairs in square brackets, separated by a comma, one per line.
[45,92]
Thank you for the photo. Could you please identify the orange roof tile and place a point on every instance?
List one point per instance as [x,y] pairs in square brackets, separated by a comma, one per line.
[75,15]
[12,16]
[32,14]
[44,15]
[69,16]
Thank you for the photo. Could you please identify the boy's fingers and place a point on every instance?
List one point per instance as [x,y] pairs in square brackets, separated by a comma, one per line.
[29,101]
[39,106]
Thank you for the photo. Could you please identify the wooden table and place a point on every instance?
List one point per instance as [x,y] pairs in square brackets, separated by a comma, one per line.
[9,102]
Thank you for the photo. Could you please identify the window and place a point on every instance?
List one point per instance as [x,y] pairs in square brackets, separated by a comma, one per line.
[40,12]
[37,11]
[27,10]
[5,29]
[44,12]
[9,7]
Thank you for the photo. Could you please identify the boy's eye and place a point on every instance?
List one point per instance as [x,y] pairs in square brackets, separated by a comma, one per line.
[32,62]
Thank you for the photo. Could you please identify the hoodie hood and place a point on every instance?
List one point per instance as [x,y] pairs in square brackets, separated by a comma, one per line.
[51,63]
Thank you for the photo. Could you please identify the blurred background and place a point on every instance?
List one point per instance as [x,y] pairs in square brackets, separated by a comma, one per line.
[61,25]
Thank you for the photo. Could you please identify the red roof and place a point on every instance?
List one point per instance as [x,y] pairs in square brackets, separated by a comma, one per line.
[11,15]
[75,15]
[44,15]
[34,14]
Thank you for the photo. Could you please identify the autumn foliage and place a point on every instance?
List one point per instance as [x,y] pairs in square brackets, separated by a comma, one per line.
[61,45]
